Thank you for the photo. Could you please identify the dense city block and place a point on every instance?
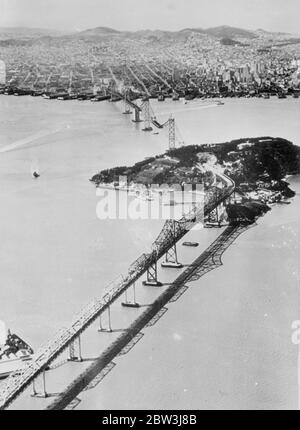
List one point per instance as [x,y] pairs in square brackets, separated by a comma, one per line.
[217,62]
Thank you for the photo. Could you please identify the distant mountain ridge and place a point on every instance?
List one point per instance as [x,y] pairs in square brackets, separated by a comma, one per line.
[27,33]
[230,32]
[221,32]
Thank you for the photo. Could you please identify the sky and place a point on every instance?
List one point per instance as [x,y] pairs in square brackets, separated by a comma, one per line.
[72,15]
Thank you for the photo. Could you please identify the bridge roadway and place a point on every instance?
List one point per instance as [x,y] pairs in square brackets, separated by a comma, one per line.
[208,260]
[170,234]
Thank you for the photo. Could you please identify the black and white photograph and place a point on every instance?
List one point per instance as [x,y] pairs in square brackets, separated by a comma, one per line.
[150,207]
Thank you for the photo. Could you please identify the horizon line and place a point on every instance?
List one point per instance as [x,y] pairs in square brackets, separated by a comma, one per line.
[141,29]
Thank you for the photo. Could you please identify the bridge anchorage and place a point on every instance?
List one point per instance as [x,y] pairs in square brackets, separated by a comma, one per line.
[115,95]
[213,218]
[217,217]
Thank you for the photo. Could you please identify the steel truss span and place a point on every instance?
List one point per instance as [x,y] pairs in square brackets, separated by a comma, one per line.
[171,233]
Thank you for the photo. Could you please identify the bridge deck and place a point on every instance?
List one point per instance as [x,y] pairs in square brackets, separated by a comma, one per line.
[75,388]
[19,380]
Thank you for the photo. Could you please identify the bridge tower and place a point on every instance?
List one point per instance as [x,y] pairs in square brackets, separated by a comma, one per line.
[2,72]
[137,117]
[147,115]
[152,280]
[127,110]
[172,142]
[112,89]
[70,89]
[171,259]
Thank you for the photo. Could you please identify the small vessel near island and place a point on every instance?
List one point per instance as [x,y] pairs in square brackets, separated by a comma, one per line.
[14,352]
[283,202]
[281,95]
[35,170]
[191,244]
[35,175]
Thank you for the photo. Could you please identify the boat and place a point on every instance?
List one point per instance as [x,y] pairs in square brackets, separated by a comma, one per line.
[35,175]
[14,353]
[283,202]
[192,244]
[189,96]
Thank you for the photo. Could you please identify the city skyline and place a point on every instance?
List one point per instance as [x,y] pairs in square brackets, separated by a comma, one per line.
[79,15]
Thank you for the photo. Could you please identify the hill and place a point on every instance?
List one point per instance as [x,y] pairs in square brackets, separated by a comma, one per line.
[226,31]
[23,33]
[227,35]
[98,31]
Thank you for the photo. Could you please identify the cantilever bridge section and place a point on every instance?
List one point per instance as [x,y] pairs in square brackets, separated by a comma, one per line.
[171,233]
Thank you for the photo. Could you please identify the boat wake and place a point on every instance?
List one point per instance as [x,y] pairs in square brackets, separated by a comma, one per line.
[194,107]
[27,140]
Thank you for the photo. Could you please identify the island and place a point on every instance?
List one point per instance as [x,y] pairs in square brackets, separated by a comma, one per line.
[259,167]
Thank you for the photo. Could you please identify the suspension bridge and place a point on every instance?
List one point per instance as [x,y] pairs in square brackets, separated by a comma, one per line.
[145,109]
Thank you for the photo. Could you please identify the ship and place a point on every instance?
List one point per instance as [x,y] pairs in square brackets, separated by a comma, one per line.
[14,354]
[281,96]
[191,244]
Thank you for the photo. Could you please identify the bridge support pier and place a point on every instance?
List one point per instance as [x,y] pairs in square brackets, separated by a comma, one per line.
[72,353]
[109,319]
[137,117]
[100,323]
[101,328]
[147,116]
[44,393]
[128,304]
[127,110]
[152,277]
[171,260]
[34,392]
